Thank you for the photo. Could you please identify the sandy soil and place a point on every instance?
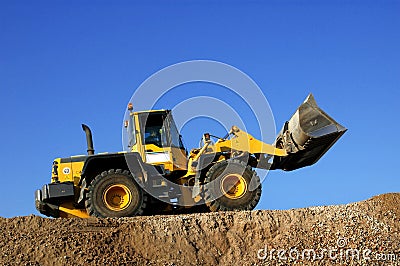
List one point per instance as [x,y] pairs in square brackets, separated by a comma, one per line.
[362,233]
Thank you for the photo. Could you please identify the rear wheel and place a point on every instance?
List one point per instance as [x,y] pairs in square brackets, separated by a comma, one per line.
[115,193]
[231,185]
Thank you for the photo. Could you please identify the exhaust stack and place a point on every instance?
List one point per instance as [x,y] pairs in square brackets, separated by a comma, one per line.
[89,139]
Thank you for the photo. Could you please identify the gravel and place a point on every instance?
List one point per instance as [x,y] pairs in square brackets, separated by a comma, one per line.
[362,233]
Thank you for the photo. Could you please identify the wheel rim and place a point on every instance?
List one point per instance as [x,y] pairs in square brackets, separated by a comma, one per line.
[117,197]
[233,186]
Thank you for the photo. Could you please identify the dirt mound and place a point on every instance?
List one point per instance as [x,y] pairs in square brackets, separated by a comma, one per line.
[366,232]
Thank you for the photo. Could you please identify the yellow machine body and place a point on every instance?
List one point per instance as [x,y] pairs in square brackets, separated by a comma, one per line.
[156,148]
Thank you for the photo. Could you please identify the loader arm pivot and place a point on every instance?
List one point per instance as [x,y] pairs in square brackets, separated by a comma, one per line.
[243,141]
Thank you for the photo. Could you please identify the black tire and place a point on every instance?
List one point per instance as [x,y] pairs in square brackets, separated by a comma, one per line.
[215,196]
[100,191]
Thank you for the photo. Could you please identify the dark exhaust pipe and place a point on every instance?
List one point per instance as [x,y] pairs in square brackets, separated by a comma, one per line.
[89,140]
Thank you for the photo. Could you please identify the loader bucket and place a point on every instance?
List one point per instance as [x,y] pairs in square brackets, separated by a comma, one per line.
[306,137]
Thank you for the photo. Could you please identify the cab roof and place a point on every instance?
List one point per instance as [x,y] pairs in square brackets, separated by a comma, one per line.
[152,111]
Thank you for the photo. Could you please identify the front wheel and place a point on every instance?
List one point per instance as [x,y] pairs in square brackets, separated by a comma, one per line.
[115,193]
[231,185]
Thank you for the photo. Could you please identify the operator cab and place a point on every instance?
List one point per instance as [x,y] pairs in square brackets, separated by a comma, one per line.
[155,136]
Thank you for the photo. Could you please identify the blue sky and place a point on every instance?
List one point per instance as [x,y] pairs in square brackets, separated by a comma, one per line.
[67,62]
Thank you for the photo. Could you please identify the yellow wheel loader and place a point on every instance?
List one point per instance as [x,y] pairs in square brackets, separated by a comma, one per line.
[157,175]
